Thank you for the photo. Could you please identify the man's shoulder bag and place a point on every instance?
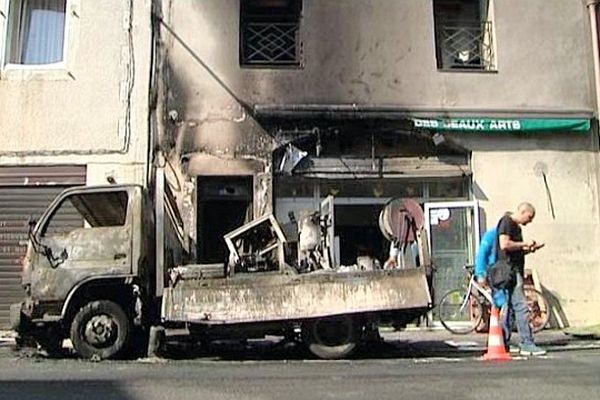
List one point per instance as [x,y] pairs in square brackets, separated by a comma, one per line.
[500,275]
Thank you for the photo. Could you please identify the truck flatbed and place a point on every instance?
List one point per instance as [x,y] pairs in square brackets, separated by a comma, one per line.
[262,297]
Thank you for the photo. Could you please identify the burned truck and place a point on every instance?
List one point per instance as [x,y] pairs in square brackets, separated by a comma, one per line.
[125,271]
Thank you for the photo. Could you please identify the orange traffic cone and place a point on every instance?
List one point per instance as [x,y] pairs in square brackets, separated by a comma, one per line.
[495,347]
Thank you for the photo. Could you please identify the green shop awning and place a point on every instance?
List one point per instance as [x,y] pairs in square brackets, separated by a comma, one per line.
[500,125]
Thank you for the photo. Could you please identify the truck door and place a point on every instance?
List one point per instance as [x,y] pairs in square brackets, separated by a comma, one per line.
[101,246]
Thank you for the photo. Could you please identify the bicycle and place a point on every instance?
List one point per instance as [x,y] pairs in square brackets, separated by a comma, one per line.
[461,311]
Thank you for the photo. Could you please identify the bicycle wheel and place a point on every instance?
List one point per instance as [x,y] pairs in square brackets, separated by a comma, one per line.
[460,313]
[539,311]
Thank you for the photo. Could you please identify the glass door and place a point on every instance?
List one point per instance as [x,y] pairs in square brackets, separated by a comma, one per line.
[453,235]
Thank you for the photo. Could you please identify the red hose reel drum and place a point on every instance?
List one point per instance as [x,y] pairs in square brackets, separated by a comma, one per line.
[400,220]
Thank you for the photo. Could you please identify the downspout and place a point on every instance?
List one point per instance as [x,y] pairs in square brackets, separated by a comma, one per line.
[592,6]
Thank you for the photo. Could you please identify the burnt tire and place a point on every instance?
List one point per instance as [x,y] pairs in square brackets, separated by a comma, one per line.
[100,330]
[332,337]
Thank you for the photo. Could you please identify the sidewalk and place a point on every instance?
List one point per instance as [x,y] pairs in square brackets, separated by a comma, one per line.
[550,339]
[437,342]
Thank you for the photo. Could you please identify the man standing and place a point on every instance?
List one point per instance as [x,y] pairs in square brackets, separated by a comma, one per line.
[514,248]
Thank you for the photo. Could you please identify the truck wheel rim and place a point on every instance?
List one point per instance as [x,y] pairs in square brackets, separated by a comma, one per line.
[100,330]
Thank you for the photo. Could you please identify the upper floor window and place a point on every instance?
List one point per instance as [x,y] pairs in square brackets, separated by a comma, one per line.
[270,32]
[36,32]
[463,34]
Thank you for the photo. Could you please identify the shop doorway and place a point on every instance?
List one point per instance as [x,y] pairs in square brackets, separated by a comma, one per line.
[453,232]
[358,204]
[358,231]
[224,204]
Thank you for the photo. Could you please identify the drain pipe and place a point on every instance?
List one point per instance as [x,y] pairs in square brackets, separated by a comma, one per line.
[592,6]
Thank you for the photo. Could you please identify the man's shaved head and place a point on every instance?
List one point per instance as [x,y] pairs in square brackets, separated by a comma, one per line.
[525,206]
[525,213]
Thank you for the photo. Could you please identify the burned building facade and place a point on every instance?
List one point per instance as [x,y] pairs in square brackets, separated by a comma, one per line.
[468,106]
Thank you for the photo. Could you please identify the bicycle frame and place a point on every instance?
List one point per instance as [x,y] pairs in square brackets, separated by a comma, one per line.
[480,289]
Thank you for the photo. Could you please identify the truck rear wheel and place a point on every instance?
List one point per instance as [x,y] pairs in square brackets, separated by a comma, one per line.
[100,330]
[332,337]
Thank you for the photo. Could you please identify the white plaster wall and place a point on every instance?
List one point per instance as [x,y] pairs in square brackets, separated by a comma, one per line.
[504,175]
[76,115]
[97,174]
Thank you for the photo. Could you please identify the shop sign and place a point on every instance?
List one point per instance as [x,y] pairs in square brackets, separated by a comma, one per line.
[491,125]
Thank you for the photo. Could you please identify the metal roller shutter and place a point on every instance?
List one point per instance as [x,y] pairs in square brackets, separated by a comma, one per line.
[25,192]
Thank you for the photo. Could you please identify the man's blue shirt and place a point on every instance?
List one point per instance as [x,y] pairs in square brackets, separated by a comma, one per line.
[485,258]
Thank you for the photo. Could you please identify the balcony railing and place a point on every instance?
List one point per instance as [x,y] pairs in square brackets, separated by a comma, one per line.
[270,43]
[465,45]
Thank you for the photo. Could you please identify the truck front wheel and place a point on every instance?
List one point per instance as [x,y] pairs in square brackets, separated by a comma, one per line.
[332,337]
[100,330]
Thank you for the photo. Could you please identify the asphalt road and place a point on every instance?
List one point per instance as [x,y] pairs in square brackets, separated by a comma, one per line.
[398,369]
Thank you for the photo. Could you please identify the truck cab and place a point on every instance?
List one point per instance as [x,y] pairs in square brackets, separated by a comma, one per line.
[86,283]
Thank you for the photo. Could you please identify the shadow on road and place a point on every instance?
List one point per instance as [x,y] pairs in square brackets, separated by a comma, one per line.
[283,350]
[54,389]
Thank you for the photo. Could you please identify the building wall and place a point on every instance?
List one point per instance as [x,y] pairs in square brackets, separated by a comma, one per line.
[382,53]
[508,170]
[94,110]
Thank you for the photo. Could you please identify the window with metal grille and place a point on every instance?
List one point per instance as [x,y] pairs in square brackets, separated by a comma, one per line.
[270,33]
[464,35]
[36,32]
